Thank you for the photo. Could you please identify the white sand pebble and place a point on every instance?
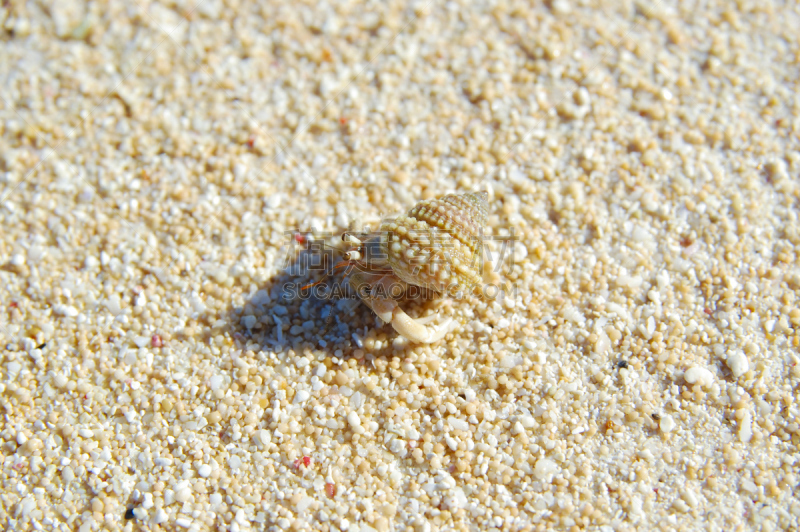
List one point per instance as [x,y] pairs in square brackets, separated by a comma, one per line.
[215,381]
[746,427]
[748,486]
[544,467]
[26,505]
[457,500]
[458,424]
[396,445]
[738,363]
[159,517]
[603,343]
[636,505]
[510,360]
[261,438]
[235,462]
[17,260]
[182,491]
[355,422]
[667,423]
[204,470]
[690,498]
[65,310]
[300,397]
[60,380]
[304,503]
[645,454]
[14,368]
[357,400]
[147,501]
[699,375]
[197,305]
[561,7]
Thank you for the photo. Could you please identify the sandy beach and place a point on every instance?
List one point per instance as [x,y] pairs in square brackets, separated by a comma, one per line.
[169,171]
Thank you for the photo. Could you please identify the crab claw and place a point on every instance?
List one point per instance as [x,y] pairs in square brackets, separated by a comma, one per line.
[414,330]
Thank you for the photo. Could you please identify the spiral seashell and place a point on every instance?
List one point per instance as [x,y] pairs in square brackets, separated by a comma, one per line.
[438,244]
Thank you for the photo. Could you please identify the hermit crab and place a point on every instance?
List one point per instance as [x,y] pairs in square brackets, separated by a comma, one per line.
[436,246]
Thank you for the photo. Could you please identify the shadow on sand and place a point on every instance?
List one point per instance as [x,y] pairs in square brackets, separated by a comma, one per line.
[327,318]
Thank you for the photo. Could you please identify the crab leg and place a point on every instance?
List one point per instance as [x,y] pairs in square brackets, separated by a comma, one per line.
[414,330]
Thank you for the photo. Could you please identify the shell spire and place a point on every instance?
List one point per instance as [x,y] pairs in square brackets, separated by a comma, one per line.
[439,242]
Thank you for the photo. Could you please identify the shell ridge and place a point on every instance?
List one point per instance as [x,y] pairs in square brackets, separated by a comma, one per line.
[438,243]
[469,217]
